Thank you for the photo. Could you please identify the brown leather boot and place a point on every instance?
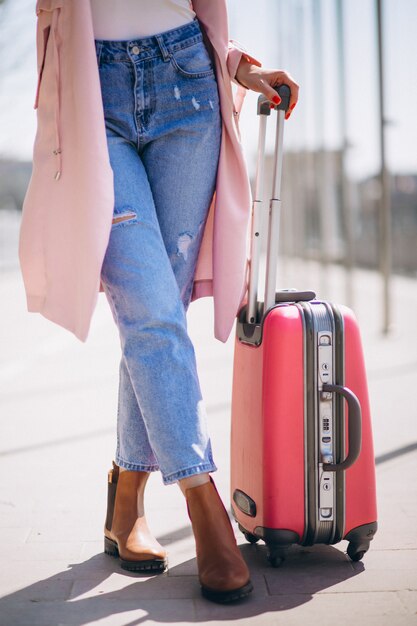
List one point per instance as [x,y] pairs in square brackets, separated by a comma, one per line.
[126,533]
[223,574]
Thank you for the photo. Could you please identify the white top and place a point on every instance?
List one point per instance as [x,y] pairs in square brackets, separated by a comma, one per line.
[132,19]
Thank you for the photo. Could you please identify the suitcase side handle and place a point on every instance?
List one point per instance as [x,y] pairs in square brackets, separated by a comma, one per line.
[355,428]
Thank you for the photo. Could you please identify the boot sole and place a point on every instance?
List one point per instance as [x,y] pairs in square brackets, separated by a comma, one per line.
[150,565]
[224,597]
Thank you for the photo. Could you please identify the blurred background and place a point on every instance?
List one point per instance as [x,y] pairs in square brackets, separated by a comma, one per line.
[350,169]
[350,183]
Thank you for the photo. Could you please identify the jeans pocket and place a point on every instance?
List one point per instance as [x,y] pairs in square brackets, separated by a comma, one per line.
[192,61]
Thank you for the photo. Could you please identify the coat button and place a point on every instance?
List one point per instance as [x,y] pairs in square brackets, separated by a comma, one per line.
[135,50]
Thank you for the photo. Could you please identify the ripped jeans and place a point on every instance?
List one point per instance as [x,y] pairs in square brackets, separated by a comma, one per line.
[163,128]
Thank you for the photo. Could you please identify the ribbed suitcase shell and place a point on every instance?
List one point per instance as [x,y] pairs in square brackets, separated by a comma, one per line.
[268,440]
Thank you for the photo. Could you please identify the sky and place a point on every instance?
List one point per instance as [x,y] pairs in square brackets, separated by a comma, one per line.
[299,36]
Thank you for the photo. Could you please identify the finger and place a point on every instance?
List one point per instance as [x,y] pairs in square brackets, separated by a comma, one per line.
[293,98]
[269,92]
[294,88]
[289,111]
[286,79]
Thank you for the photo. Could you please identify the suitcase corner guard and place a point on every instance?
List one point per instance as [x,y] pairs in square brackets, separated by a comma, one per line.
[251,332]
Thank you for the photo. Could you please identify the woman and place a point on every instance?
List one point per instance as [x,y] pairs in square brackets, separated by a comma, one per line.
[138,176]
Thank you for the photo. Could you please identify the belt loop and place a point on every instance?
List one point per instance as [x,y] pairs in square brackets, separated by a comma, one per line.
[99,46]
[165,54]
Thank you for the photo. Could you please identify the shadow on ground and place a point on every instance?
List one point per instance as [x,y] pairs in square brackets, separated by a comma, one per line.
[84,593]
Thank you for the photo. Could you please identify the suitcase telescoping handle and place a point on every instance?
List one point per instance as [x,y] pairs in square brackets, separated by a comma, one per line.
[355,428]
[264,110]
[270,297]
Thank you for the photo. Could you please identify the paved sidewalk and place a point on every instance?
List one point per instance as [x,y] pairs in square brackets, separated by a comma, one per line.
[58,406]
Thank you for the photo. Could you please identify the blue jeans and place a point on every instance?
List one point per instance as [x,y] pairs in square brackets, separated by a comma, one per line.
[163,128]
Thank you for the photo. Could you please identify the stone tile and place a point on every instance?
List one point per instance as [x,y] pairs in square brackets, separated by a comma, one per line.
[382,560]
[181,558]
[378,580]
[341,577]
[372,609]
[100,611]
[293,610]
[309,570]
[15,535]
[169,535]
[131,586]
[26,577]
[397,504]
[91,549]
[39,591]
[30,572]
[398,535]
[409,600]
[68,533]
[312,571]
[42,552]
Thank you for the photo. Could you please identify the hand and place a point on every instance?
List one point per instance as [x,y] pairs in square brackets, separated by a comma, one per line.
[263,80]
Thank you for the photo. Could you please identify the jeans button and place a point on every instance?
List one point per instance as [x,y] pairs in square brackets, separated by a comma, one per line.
[135,50]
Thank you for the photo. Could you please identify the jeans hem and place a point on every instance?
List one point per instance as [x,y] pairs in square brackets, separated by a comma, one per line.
[169,479]
[136,467]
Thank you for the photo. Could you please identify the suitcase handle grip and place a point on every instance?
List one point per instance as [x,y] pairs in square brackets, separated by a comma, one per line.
[355,428]
[264,105]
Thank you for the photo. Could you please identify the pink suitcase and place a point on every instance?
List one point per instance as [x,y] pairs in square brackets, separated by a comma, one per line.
[302,460]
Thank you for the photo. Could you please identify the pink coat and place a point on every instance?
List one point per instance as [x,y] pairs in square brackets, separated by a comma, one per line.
[68,207]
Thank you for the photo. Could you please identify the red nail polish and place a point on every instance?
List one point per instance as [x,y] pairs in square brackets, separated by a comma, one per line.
[272,106]
[293,105]
[276,99]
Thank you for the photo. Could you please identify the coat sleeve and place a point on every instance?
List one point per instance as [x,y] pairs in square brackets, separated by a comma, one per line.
[234,54]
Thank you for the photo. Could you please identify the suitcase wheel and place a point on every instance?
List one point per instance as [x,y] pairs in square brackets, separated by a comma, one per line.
[356,552]
[276,561]
[248,536]
[359,540]
[276,554]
